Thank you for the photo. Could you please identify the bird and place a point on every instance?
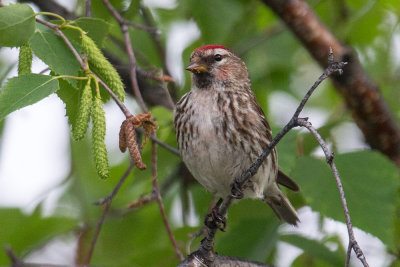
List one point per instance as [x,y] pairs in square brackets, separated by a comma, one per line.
[221,130]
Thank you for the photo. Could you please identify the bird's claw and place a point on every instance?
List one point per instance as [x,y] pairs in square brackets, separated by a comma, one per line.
[236,190]
[214,220]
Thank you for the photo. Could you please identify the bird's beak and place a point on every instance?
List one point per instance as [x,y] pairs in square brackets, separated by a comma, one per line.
[197,68]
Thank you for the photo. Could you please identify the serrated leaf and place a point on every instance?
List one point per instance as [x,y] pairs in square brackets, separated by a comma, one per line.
[17,24]
[25,90]
[315,248]
[70,96]
[53,51]
[97,29]
[370,182]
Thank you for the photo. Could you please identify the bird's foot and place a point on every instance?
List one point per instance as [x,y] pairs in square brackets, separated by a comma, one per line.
[236,190]
[214,219]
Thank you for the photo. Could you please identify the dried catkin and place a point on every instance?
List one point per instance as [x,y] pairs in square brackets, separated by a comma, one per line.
[80,126]
[98,135]
[25,59]
[122,138]
[133,147]
[102,67]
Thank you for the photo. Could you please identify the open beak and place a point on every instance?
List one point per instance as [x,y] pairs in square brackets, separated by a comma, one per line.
[197,68]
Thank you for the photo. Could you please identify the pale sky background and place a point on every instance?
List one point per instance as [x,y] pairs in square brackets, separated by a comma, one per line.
[34,150]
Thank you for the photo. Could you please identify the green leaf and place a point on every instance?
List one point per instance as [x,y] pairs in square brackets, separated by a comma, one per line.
[371,207]
[315,248]
[25,90]
[24,233]
[97,29]
[287,151]
[17,24]
[70,96]
[53,51]
[252,231]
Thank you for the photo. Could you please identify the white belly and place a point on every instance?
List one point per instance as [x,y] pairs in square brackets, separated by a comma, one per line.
[214,162]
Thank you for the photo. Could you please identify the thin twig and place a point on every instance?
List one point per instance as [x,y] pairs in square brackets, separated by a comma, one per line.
[150,29]
[155,37]
[161,143]
[193,236]
[68,43]
[329,159]
[156,190]
[83,65]
[165,146]
[160,48]
[136,91]
[107,201]
[348,255]
[332,68]
[169,97]
[142,200]
[131,55]
[88,8]
[156,77]
[13,257]
[44,70]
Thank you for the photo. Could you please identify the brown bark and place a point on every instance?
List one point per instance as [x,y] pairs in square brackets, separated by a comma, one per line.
[361,94]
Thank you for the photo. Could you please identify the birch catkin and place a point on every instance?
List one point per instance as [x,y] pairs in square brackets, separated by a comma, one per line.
[98,135]
[25,59]
[80,126]
[102,67]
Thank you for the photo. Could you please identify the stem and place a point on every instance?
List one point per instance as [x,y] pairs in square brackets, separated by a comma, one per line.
[131,55]
[69,26]
[107,202]
[51,14]
[156,190]
[71,77]
[329,159]
[83,65]
[88,8]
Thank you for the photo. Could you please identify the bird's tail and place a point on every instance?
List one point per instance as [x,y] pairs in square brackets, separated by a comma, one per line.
[280,204]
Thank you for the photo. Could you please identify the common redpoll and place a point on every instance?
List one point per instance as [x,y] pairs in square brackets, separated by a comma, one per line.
[221,130]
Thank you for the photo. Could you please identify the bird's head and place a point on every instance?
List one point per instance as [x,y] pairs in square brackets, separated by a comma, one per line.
[216,67]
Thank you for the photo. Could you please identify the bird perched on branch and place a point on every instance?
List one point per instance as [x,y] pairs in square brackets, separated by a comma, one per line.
[221,130]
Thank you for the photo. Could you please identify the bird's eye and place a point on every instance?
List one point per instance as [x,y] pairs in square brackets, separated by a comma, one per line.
[218,57]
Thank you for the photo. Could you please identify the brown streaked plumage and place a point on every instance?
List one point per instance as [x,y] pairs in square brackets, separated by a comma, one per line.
[221,130]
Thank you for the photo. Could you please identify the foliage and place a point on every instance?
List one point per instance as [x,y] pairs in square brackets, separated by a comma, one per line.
[277,64]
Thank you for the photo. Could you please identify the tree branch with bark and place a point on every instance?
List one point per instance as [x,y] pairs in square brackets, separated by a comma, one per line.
[361,93]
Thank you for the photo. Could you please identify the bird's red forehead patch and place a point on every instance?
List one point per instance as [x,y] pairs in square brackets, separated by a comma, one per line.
[208,47]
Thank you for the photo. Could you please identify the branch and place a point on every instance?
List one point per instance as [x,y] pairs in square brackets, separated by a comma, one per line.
[361,94]
[131,55]
[52,6]
[88,8]
[152,94]
[329,159]
[83,65]
[221,260]
[135,86]
[156,191]
[107,202]
[11,255]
